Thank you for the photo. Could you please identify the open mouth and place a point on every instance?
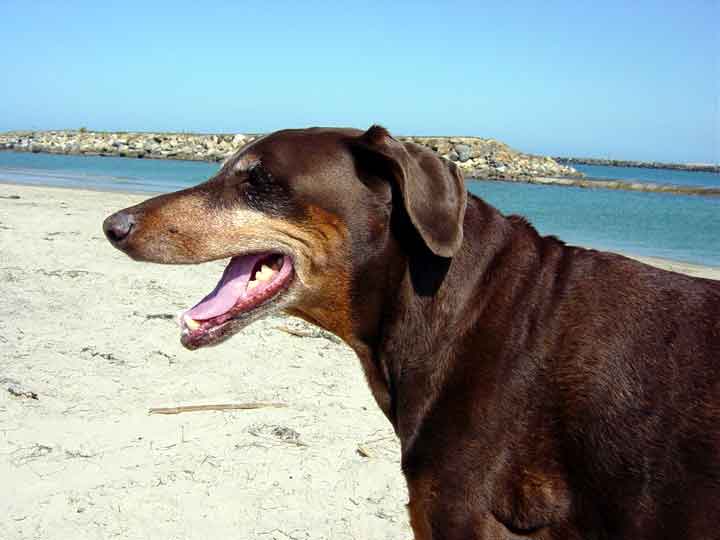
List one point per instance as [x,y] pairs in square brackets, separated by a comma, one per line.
[249,284]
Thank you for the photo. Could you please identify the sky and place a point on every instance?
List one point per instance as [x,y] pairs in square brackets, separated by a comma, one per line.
[612,79]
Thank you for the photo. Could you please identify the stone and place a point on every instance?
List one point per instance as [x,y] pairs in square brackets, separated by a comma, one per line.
[442,147]
[463,151]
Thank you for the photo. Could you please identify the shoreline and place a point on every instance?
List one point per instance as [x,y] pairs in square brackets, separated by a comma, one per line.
[686,267]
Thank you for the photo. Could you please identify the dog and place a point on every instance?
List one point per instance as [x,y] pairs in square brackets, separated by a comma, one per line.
[538,390]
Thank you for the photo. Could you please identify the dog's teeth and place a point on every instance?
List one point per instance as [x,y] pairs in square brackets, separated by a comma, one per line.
[192,324]
[252,285]
[265,273]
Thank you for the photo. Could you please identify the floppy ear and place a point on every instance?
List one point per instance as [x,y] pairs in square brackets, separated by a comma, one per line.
[432,188]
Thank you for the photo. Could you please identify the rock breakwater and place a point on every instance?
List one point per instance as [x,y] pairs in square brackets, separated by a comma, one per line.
[489,159]
[692,167]
[477,157]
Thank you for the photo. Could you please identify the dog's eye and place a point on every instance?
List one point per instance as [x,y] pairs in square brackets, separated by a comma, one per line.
[258,176]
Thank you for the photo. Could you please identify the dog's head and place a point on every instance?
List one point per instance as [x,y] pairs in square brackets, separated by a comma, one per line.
[308,219]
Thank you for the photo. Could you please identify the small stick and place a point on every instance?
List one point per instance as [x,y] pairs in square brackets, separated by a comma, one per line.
[216,407]
[293,332]
[313,333]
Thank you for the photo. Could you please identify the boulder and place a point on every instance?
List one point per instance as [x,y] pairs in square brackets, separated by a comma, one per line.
[464,152]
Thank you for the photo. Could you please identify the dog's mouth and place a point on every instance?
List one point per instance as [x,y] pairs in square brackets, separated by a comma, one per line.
[250,286]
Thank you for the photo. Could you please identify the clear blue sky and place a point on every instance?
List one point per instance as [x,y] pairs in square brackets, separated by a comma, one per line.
[621,79]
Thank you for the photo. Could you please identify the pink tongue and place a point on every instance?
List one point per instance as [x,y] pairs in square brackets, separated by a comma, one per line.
[229,289]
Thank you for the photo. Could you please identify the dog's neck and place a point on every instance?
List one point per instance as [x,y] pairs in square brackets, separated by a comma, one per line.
[430,304]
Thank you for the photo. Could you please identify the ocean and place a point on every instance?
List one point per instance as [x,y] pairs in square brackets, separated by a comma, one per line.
[678,227]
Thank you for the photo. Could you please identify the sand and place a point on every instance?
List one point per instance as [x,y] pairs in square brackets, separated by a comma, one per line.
[88,345]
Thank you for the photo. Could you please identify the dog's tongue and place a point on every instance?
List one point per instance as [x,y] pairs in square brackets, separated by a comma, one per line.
[229,289]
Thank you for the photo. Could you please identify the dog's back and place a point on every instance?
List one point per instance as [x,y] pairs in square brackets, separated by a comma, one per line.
[648,408]
[593,382]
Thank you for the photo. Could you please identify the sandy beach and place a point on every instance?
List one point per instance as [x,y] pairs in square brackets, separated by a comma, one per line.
[88,344]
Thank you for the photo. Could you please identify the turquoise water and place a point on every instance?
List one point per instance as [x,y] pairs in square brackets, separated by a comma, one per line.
[106,173]
[654,176]
[680,227]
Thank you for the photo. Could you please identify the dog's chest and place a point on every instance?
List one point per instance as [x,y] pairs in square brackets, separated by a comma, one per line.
[470,500]
[489,479]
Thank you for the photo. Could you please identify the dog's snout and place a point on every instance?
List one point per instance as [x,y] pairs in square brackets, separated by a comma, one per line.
[118,226]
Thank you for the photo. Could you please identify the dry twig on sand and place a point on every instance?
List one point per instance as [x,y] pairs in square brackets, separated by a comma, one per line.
[307,332]
[215,407]
[295,332]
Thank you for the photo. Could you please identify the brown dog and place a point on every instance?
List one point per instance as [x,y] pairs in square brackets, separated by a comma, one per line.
[538,390]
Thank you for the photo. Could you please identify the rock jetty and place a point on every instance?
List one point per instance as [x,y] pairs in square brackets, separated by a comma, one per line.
[693,167]
[594,183]
[477,157]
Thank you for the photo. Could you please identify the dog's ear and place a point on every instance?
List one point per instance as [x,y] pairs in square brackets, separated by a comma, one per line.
[432,188]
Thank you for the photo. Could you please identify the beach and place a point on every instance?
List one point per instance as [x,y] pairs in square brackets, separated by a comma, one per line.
[89,344]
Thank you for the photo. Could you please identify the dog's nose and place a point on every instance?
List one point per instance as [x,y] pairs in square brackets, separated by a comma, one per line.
[118,226]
